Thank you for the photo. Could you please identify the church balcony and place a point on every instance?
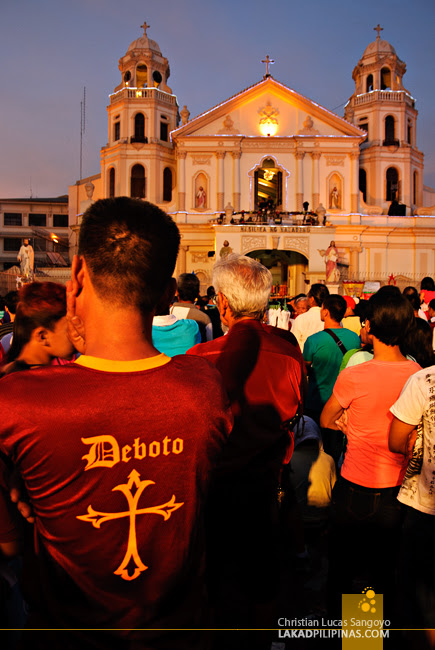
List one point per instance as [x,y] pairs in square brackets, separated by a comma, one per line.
[139,94]
[383,96]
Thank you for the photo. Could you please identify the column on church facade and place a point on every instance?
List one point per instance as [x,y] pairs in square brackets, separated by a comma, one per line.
[236,180]
[299,155]
[354,252]
[181,260]
[220,155]
[316,180]
[181,155]
[153,182]
[354,159]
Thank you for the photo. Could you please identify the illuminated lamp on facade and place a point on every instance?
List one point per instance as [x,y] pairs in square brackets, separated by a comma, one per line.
[268,120]
[268,128]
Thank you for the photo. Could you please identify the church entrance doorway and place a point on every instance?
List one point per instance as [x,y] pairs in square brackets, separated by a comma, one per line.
[268,186]
[288,270]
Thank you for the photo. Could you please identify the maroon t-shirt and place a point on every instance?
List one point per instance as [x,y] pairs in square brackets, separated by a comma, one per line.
[116,457]
[263,375]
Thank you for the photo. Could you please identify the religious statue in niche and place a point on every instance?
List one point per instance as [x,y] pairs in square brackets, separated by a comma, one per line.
[26,259]
[331,259]
[334,202]
[200,199]
[225,250]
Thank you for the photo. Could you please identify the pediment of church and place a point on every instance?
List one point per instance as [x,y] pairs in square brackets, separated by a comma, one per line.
[268,108]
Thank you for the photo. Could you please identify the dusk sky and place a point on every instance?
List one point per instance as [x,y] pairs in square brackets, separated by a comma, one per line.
[52,49]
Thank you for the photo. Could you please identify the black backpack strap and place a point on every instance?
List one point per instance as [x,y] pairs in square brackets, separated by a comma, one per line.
[340,344]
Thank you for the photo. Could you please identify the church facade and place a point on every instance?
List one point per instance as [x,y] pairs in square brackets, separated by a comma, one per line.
[271,174]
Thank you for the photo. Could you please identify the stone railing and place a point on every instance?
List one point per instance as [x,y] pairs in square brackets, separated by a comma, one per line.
[143,93]
[383,95]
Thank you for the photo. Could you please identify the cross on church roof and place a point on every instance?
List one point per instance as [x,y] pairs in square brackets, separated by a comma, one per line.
[267,61]
[145,27]
[378,29]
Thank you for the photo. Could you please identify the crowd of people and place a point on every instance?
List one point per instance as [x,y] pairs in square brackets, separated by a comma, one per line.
[161,451]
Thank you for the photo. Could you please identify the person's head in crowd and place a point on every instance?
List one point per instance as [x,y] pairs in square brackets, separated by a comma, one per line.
[188,287]
[243,287]
[129,248]
[408,291]
[389,290]
[40,326]
[361,309]
[415,302]
[350,306]
[427,284]
[390,316]
[317,294]
[11,303]
[431,308]
[301,305]
[210,294]
[418,343]
[333,308]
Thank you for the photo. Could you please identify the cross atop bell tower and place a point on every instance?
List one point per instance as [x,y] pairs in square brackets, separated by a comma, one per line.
[378,29]
[145,27]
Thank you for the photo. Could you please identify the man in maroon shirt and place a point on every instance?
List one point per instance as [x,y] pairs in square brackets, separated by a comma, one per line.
[116,451]
[263,375]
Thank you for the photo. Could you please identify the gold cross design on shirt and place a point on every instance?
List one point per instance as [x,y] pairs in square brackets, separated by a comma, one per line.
[97,518]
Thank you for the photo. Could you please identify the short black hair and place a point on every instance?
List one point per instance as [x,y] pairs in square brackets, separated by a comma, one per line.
[336,305]
[391,317]
[427,284]
[41,304]
[418,343]
[11,301]
[319,292]
[188,287]
[130,247]
[432,304]
[409,291]
[414,300]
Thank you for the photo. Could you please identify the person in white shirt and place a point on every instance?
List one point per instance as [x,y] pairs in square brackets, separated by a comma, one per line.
[310,322]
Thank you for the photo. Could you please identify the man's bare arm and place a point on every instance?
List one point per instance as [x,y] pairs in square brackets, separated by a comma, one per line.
[331,413]
[402,437]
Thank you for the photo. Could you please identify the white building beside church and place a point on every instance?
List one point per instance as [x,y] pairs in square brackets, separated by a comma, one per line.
[271,144]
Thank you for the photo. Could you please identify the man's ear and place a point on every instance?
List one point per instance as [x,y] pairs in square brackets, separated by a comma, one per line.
[223,305]
[77,274]
[40,335]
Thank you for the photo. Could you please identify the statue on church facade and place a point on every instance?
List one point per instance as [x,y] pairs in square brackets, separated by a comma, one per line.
[26,259]
[201,198]
[335,198]
[331,259]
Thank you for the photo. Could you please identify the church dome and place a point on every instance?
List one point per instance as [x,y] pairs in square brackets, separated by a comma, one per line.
[378,46]
[144,43]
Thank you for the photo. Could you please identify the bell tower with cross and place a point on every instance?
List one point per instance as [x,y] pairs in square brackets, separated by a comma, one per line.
[139,160]
[391,166]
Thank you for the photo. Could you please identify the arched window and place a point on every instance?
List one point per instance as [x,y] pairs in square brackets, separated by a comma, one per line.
[141,76]
[363,184]
[415,188]
[369,84]
[167,184]
[137,182]
[392,193]
[139,128]
[385,79]
[390,135]
[111,182]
